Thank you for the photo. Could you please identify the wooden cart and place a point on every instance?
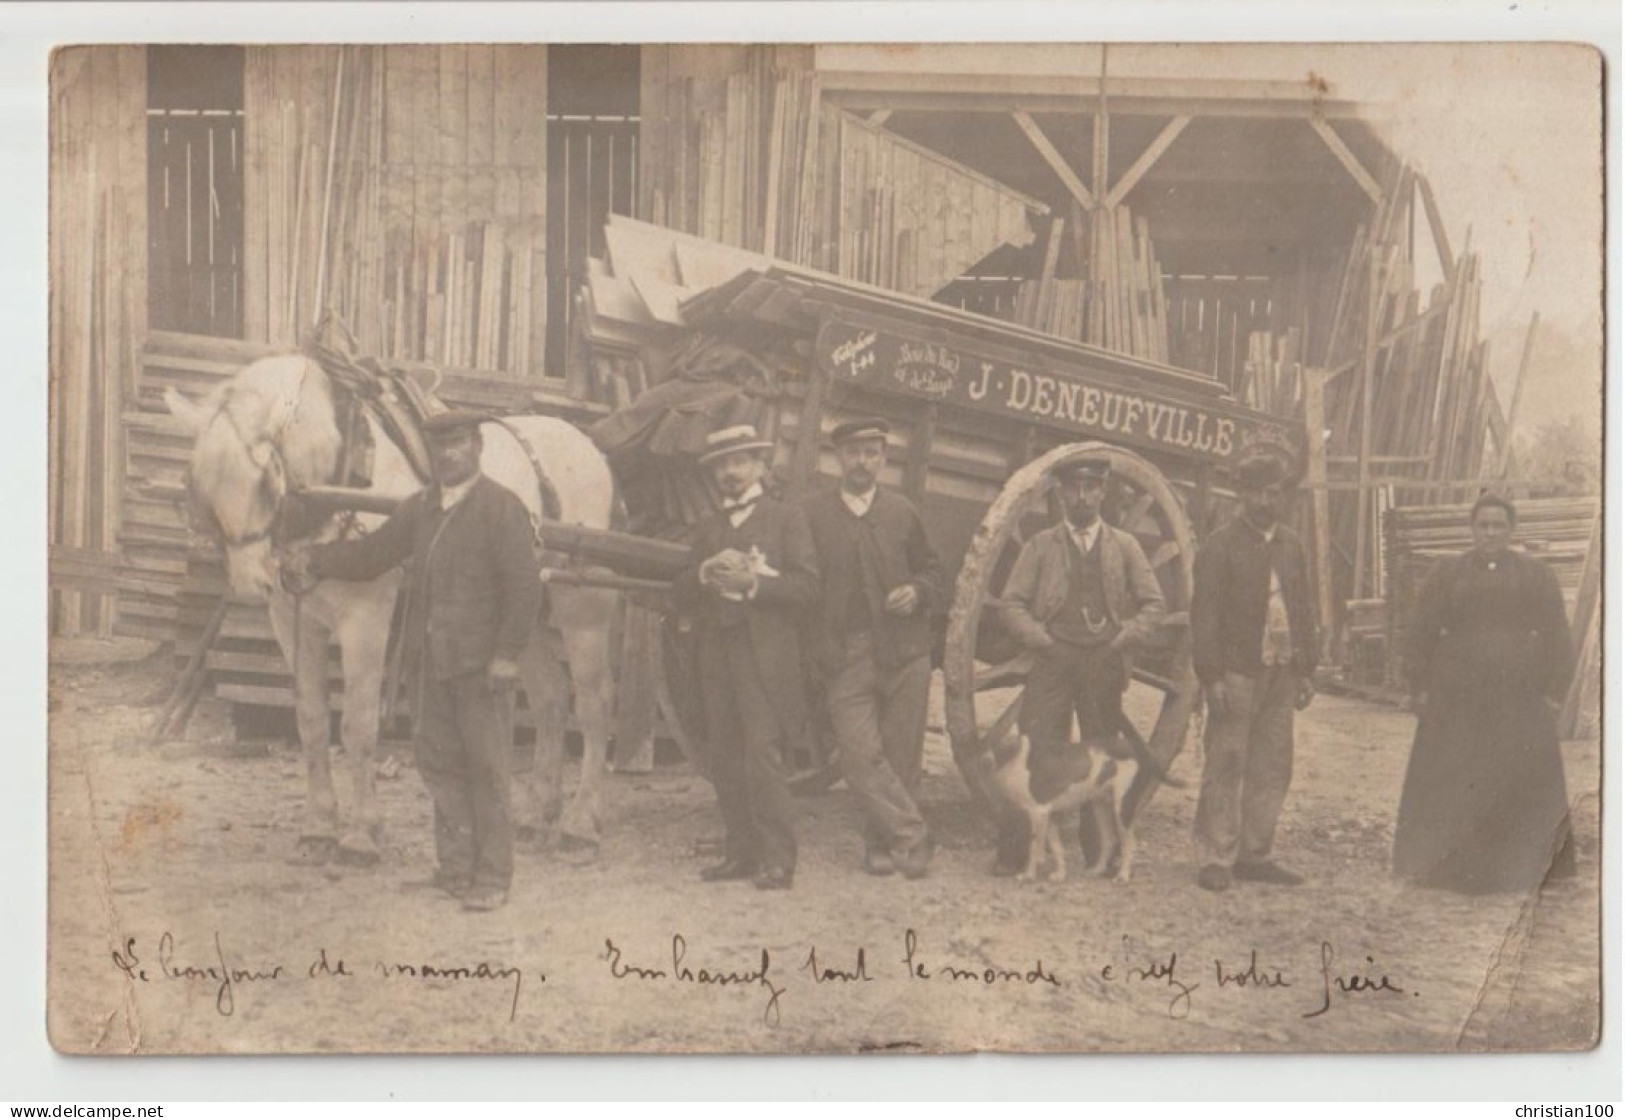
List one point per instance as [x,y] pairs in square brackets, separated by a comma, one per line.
[982,413]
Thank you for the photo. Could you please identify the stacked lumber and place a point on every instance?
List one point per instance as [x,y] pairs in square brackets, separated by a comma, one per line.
[755,159]
[1409,408]
[98,268]
[1118,304]
[1558,531]
[373,194]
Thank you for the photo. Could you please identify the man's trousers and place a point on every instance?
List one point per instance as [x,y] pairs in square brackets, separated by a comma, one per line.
[879,721]
[747,744]
[1247,769]
[1065,680]
[465,754]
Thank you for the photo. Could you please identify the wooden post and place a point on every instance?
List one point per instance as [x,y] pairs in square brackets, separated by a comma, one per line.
[1582,629]
[1505,466]
[1367,373]
[1314,421]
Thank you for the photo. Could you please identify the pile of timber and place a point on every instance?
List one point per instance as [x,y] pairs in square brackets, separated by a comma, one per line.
[1409,409]
[169,580]
[756,160]
[98,269]
[1118,304]
[464,290]
[1558,531]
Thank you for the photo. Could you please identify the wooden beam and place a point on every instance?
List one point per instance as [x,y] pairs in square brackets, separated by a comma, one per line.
[1504,438]
[1053,157]
[879,117]
[1368,372]
[1346,158]
[1152,153]
[908,92]
[1314,420]
[1441,239]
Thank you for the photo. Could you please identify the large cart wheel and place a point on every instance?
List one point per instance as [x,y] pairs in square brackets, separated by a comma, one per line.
[984,668]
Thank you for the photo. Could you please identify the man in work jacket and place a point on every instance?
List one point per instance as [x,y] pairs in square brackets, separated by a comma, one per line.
[872,643]
[473,595]
[1081,597]
[754,576]
[1254,645]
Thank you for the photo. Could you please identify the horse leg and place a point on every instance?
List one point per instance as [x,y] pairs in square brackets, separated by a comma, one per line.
[583,618]
[363,641]
[305,647]
[540,792]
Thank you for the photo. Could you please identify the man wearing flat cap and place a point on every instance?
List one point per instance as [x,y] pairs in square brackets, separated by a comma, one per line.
[472,598]
[1081,597]
[872,643]
[1254,644]
[754,575]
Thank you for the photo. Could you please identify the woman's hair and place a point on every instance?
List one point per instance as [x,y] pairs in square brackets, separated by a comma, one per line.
[1485,501]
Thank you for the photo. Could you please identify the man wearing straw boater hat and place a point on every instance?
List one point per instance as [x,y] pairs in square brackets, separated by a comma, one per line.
[755,575]
[872,643]
[1081,597]
[1254,645]
[472,597]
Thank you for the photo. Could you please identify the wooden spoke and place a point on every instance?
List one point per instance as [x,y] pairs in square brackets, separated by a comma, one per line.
[1005,674]
[1165,552]
[1135,518]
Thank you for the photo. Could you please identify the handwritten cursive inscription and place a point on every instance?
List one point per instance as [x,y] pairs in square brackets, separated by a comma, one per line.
[682,972]
[988,975]
[484,970]
[222,975]
[1350,984]
[858,972]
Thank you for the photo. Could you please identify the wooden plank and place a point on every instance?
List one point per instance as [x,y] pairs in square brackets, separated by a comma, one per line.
[452,139]
[1057,162]
[481,109]
[1504,467]
[1441,236]
[1153,152]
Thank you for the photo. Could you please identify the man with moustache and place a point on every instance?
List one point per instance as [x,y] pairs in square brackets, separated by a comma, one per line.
[1254,645]
[472,597]
[1081,597]
[755,574]
[872,643]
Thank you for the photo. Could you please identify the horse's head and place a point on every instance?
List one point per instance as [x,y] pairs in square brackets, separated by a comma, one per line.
[269,430]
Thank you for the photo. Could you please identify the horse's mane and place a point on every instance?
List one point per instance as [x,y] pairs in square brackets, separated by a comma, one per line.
[285,401]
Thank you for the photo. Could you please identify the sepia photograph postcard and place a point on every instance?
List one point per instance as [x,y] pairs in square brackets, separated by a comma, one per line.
[825,548]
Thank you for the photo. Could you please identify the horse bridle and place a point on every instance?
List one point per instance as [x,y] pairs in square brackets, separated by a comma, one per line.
[273,456]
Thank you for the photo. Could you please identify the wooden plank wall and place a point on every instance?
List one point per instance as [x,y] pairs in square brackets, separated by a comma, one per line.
[425,166]
[98,268]
[739,148]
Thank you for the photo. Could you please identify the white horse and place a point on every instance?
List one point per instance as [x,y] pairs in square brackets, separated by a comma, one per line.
[272,430]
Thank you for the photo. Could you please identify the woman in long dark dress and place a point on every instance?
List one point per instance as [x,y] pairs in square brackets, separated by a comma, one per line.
[1484,807]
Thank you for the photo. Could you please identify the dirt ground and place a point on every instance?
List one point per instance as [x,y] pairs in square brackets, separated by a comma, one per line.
[169,869]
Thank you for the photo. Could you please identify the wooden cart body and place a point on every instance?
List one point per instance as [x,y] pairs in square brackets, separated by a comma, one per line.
[981,412]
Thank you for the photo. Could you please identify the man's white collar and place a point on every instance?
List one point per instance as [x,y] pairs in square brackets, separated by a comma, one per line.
[859,503]
[451,495]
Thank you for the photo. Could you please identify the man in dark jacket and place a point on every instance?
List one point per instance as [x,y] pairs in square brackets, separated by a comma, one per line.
[1082,597]
[473,596]
[1255,644]
[754,576]
[872,643]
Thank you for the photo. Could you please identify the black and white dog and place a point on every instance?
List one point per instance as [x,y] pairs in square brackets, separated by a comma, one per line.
[1096,773]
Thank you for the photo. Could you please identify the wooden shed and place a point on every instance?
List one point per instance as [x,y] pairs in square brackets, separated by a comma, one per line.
[449,203]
